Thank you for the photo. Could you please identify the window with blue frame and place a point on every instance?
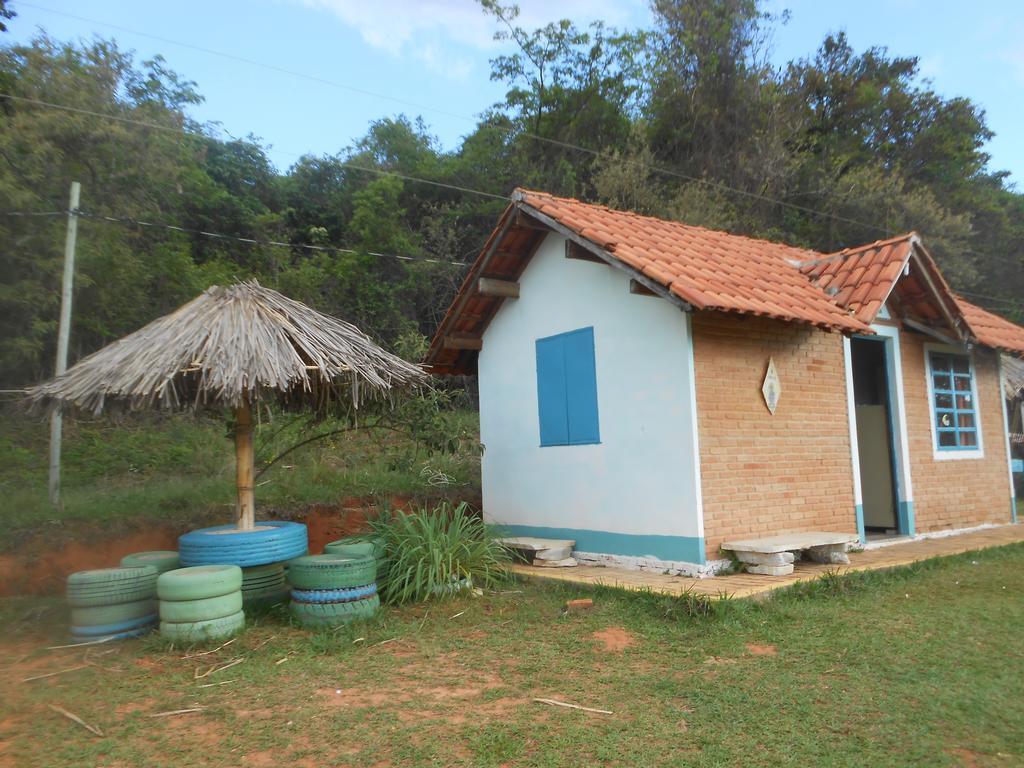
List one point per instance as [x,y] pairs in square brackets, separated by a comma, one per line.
[567,389]
[956,418]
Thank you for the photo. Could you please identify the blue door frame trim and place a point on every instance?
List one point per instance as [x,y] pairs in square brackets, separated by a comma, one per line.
[904,507]
[687,549]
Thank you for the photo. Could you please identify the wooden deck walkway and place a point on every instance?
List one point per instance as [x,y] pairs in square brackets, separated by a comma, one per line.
[747,585]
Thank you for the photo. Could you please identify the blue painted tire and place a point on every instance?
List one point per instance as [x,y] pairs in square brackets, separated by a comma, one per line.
[102,630]
[333,595]
[226,545]
[118,636]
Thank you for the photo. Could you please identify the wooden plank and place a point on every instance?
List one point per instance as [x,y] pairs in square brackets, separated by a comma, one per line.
[463,341]
[491,286]
[576,251]
[639,289]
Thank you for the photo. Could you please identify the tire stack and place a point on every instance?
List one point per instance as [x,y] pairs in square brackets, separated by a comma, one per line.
[332,589]
[272,541]
[264,586]
[201,603]
[162,560]
[112,603]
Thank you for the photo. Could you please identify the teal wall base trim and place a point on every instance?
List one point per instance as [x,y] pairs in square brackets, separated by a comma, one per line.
[906,518]
[686,549]
[1013,510]
[859,513]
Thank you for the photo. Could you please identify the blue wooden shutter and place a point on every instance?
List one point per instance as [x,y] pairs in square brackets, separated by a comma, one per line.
[567,389]
[581,387]
[551,399]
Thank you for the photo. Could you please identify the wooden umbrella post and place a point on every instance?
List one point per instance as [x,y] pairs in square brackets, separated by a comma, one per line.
[245,471]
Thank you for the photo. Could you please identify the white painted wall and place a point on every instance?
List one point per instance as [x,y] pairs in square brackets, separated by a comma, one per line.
[643,477]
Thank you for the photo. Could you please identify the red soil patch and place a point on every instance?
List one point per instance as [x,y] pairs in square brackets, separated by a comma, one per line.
[615,639]
[762,650]
[31,572]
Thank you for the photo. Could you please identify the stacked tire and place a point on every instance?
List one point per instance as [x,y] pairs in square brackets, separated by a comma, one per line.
[272,541]
[358,546]
[162,560]
[201,603]
[333,589]
[112,603]
[264,586]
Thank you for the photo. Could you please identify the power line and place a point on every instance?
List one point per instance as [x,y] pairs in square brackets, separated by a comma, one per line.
[234,238]
[533,136]
[190,134]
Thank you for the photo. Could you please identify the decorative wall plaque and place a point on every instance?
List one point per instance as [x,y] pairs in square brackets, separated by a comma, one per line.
[772,387]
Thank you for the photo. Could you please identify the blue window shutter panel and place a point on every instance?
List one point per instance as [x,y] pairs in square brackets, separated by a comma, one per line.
[551,395]
[581,387]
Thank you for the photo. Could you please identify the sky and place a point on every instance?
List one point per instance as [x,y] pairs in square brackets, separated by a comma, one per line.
[361,60]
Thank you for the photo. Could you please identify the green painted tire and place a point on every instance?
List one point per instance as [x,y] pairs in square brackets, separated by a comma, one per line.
[203,631]
[162,560]
[207,609]
[103,577]
[111,586]
[199,582]
[334,614]
[101,615]
[331,572]
[270,589]
[267,599]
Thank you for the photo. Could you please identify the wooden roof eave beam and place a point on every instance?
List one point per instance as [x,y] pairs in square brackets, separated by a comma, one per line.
[923,269]
[479,268]
[652,285]
[933,332]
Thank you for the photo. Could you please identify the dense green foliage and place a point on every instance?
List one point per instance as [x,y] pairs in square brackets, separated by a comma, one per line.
[437,553]
[687,120]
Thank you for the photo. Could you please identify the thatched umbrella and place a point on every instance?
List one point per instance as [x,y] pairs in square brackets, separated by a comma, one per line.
[238,347]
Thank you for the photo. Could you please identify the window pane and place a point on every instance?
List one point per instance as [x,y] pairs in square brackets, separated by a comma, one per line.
[965,420]
[947,439]
[962,383]
[941,382]
[940,363]
[964,402]
[961,365]
[969,439]
[944,420]
[943,401]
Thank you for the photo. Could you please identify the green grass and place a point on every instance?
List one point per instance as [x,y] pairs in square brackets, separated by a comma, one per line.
[181,468]
[921,666]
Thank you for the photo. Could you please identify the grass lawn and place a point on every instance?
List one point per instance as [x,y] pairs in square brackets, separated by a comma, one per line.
[181,468]
[920,666]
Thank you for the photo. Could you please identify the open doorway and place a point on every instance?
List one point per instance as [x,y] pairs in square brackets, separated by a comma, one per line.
[875,438]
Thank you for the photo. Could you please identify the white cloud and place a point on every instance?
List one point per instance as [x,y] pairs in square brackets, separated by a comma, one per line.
[433,31]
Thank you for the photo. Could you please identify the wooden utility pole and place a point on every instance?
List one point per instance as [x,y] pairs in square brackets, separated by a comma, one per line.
[63,334]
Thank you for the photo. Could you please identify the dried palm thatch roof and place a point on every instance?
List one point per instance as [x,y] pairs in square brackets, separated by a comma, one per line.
[228,346]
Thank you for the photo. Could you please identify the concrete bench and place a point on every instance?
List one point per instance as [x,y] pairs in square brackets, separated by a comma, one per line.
[774,555]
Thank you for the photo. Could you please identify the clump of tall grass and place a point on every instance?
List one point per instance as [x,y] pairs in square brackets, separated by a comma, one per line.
[433,553]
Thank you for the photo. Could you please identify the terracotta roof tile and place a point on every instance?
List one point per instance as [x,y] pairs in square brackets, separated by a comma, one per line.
[861,278]
[991,330]
[708,269]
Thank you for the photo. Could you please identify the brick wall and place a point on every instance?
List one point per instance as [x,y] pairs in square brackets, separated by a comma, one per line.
[959,493]
[764,474]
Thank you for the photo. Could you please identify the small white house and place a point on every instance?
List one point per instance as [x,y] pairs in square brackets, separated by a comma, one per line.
[626,367]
